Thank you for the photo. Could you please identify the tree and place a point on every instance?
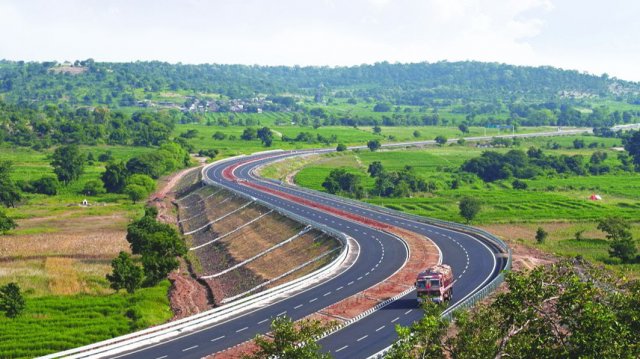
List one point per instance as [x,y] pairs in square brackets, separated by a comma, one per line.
[469,208]
[341,147]
[12,302]
[136,192]
[423,339]
[249,134]
[578,143]
[441,140]
[541,235]
[518,184]
[68,163]
[417,134]
[219,136]
[374,145]
[125,274]
[115,177]
[92,188]
[143,181]
[624,248]
[615,228]
[632,145]
[46,185]
[6,223]
[463,128]
[9,192]
[291,340]
[375,169]
[381,107]
[266,136]
[377,130]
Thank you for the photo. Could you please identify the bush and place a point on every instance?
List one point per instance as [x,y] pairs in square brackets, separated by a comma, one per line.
[541,235]
[518,184]
[11,300]
[92,188]
[341,147]
[46,185]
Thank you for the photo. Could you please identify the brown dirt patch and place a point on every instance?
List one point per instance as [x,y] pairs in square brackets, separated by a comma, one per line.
[186,295]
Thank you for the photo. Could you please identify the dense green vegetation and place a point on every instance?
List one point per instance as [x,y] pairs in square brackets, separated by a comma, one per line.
[65,322]
[569,310]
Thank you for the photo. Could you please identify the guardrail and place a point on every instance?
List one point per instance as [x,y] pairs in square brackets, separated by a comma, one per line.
[480,234]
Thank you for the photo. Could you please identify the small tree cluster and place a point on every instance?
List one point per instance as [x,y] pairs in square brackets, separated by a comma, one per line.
[621,244]
[12,302]
[157,243]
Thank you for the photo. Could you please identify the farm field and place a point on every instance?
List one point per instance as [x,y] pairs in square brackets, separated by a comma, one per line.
[349,136]
[559,204]
[59,255]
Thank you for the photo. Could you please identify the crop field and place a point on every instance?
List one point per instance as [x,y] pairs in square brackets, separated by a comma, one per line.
[547,198]
[350,136]
[54,323]
[59,255]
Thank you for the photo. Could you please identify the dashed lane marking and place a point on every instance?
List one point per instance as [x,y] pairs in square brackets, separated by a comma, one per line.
[313,300]
[243,329]
[379,329]
[393,321]
[218,338]
[262,321]
[344,347]
[189,348]
[298,306]
[365,337]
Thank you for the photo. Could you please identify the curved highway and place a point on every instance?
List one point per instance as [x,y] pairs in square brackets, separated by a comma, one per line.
[475,263]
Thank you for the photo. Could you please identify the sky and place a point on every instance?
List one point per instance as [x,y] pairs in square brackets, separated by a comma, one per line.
[594,36]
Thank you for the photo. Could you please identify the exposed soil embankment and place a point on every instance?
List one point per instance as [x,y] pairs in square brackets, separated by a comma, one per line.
[187,295]
[238,247]
[423,253]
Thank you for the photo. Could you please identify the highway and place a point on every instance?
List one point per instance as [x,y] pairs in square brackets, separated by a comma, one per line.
[475,263]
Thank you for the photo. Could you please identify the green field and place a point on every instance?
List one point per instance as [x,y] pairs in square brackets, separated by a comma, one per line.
[55,323]
[546,199]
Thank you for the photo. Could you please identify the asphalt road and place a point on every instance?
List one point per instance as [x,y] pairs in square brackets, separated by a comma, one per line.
[474,263]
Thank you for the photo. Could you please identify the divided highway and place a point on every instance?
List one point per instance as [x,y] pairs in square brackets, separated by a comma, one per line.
[475,263]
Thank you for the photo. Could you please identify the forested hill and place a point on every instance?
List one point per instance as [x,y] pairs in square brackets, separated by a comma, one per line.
[88,82]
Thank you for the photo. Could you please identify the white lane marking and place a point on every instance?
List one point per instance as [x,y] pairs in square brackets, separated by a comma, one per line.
[283,313]
[218,338]
[189,348]
[337,289]
[162,357]
[408,311]
[313,300]
[393,321]
[379,329]
[240,330]
[326,294]
[362,338]
[359,278]
[262,321]
[344,347]
[350,283]
[297,306]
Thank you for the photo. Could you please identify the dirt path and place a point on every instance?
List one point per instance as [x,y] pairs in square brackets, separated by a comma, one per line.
[186,295]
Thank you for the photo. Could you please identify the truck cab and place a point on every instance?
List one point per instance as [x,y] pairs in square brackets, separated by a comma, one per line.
[435,284]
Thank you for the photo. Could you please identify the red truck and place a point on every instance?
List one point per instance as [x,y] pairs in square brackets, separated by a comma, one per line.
[435,284]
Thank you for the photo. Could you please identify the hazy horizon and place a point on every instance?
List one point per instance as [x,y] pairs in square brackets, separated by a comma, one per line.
[586,36]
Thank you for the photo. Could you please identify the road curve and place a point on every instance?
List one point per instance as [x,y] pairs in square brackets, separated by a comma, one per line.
[475,263]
